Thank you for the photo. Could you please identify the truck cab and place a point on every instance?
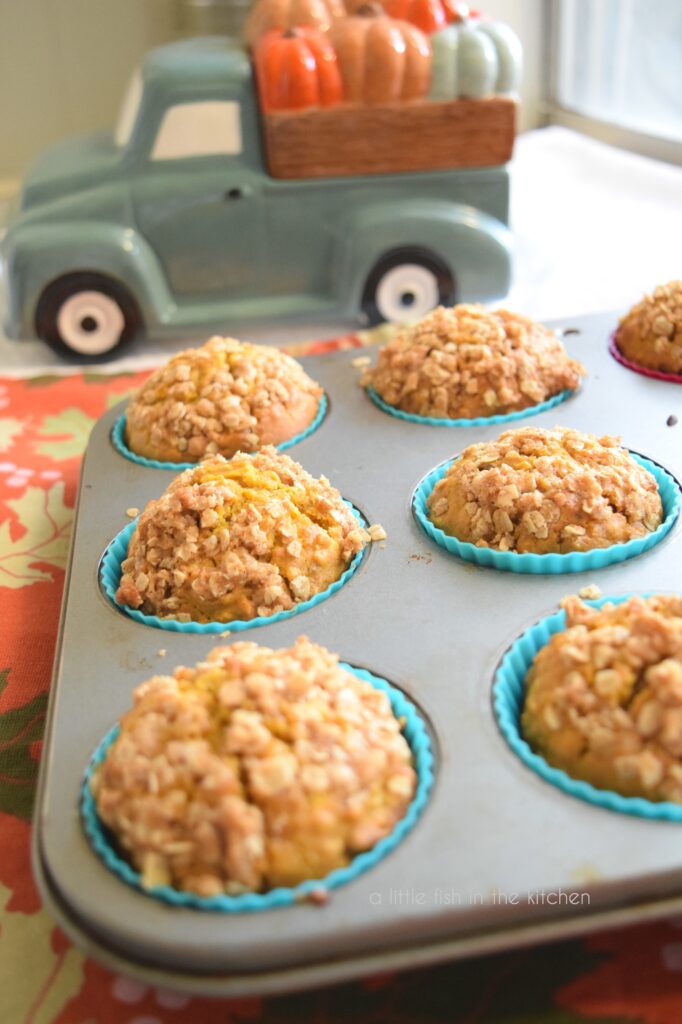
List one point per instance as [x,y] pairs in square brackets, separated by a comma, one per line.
[173,222]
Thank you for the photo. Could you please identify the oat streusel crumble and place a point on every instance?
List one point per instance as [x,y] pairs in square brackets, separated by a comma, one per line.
[239,538]
[466,362]
[651,333]
[546,490]
[604,697]
[255,768]
[224,397]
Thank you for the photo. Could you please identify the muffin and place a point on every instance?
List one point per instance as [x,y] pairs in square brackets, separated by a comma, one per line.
[651,333]
[224,397]
[604,697]
[535,490]
[238,538]
[467,362]
[253,769]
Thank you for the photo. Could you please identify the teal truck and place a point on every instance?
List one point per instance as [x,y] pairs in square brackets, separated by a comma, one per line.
[173,223]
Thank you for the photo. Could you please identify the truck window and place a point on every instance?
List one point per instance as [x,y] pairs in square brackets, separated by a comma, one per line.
[129,109]
[199,129]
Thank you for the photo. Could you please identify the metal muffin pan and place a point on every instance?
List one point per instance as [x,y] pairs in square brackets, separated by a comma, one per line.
[494,836]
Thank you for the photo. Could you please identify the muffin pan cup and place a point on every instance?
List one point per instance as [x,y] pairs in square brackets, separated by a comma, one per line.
[118,439]
[509,691]
[110,577]
[417,737]
[573,561]
[493,835]
[646,371]
[478,421]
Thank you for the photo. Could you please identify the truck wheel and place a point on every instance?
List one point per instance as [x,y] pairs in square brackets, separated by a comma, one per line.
[407,285]
[87,317]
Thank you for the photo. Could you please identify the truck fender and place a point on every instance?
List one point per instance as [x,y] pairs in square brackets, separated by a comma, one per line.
[39,255]
[475,246]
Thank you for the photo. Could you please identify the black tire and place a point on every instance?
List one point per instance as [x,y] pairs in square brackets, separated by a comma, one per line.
[59,292]
[444,281]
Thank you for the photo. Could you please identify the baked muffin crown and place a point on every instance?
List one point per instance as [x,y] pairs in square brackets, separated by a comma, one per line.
[538,490]
[604,696]
[651,332]
[252,769]
[222,397]
[239,538]
[466,361]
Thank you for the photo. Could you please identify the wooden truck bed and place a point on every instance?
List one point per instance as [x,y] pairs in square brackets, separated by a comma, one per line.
[415,136]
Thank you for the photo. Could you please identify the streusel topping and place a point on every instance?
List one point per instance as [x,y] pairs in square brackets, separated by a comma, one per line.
[651,333]
[604,697]
[223,397]
[255,768]
[239,538]
[546,490]
[466,362]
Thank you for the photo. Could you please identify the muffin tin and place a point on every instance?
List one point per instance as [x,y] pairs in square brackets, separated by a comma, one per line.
[499,857]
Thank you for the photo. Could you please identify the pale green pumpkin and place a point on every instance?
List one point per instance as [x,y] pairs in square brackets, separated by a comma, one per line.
[475,59]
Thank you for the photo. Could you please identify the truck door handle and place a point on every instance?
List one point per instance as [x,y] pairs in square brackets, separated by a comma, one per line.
[234,193]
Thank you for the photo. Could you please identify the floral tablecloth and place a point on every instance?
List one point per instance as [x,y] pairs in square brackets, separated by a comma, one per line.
[618,976]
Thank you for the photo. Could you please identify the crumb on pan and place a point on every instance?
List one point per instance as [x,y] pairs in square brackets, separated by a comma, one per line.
[232,540]
[361,361]
[252,769]
[543,490]
[466,361]
[161,652]
[651,333]
[590,593]
[604,697]
[132,512]
[376,532]
[223,397]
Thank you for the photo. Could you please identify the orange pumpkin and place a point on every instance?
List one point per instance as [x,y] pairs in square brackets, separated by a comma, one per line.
[296,69]
[381,60]
[269,14]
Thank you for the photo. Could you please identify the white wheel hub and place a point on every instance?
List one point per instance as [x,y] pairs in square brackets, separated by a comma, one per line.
[407,292]
[90,323]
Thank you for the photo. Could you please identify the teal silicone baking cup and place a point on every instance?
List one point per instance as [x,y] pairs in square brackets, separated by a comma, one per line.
[417,737]
[508,699]
[110,577]
[119,431]
[574,561]
[479,421]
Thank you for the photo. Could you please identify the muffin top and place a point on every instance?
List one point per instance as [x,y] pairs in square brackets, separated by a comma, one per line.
[238,538]
[223,397]
[651,333]
[535,490]
[604,697]
[466,362]
[255,768]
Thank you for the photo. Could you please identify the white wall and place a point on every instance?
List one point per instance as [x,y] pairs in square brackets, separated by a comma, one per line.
[64,65]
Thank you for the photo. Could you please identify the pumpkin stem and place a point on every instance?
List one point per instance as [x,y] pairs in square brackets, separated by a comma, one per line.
[369,10]
[289,33]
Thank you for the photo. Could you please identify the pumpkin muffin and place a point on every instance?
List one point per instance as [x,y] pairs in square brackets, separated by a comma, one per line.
[253,769]
[651,333]
[535,490]
[224,397]
[239,538]
[604,697]
[465,362]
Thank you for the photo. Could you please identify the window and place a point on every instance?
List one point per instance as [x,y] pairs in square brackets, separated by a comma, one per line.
[199,129]
[618,64]
[129,111]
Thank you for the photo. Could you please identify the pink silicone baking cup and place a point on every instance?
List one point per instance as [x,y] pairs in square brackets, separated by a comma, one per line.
[672,378]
